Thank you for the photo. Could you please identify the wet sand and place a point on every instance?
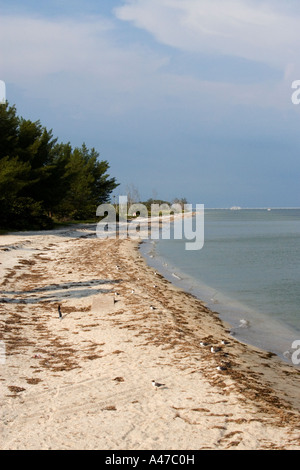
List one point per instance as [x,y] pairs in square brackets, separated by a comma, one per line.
[84,381]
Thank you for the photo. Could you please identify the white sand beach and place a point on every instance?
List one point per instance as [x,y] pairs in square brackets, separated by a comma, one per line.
[85,381]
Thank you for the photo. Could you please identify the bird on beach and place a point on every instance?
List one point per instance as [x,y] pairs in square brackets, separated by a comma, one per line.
[213,349]
[244,323]
[224,341]
[287,354]
[59,312]
[203,343]
[157,385]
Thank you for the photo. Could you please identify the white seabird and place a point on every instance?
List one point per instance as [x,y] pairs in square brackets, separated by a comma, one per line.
[214,349]
[287,354]
[157,385]
[244,323]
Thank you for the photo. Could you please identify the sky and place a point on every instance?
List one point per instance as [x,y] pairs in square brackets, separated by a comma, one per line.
[183,98]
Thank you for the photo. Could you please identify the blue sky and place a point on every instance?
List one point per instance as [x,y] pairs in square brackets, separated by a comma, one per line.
[184,98]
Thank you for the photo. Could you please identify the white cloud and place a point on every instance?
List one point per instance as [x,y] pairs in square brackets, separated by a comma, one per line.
[82,61]
[253,30]
[75,59]
[37,46]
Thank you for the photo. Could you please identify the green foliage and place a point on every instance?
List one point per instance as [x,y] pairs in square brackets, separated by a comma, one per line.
[9,123]
[88,184]
[23,213]
[13,175]
[41,179]
[151,201]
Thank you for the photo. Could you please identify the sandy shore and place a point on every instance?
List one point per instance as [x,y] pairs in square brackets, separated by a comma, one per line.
[84,382]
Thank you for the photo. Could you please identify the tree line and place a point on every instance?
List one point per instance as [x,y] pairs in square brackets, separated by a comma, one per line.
[42,180]
[133,196]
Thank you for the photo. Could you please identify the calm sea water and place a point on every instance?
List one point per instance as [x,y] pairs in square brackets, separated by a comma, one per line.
[248,271]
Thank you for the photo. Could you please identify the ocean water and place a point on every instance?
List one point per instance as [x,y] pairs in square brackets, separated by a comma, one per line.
[248,271]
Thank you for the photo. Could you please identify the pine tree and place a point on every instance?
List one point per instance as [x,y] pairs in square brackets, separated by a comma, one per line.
[40,178]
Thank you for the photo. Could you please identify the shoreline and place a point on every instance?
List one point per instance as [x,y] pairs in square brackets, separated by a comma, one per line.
[226,306]
[88,376]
